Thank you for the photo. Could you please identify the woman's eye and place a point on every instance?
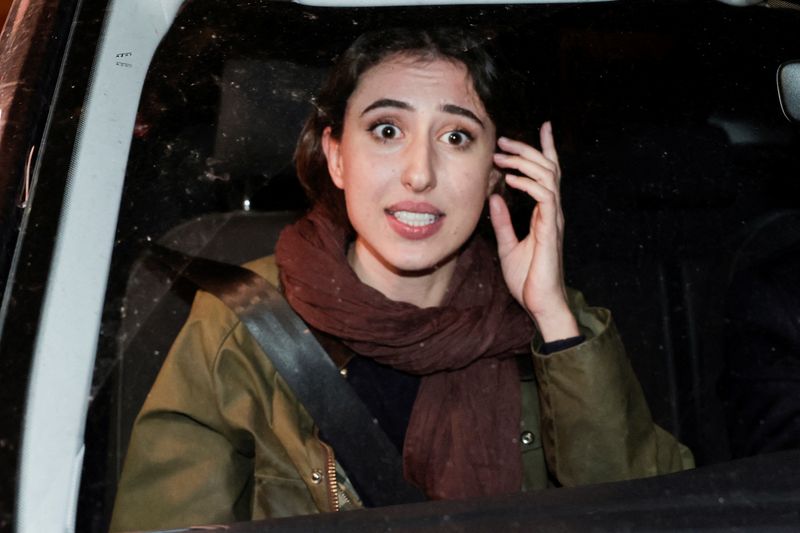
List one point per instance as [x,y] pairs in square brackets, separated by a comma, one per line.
[457,138]
[385,132]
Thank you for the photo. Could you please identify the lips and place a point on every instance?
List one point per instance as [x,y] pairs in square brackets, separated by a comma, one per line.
[414,220]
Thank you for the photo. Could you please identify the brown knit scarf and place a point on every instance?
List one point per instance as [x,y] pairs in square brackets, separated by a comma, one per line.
[462,437]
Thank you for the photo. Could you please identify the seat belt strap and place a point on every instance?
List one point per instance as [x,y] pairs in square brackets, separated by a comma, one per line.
[371,461]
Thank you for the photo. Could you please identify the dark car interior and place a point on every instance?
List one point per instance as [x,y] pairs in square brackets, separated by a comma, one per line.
[680,172]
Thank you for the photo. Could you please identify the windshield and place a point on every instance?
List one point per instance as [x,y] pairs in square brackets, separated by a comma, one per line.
[677,164]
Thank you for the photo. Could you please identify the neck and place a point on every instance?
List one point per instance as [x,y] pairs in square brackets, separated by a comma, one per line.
[421,288]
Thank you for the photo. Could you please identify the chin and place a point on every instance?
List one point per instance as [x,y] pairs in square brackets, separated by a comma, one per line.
[419,264]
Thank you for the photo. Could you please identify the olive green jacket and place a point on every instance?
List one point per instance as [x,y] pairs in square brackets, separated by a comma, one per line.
[221,438]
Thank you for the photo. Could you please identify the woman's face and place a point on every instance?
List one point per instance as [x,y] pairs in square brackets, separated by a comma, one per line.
[415,163]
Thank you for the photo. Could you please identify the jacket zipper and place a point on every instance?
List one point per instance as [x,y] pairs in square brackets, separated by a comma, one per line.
[333,485]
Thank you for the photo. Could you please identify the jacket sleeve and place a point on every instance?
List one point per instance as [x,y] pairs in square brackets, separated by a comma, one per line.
[220,438]
[596,425]
[186,464]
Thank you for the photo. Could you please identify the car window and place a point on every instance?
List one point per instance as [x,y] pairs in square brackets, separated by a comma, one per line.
[680,172]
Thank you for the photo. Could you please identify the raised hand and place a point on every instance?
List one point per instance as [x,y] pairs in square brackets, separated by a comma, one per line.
[533,266]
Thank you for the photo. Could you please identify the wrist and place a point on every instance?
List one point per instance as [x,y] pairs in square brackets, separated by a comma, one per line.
[557,325]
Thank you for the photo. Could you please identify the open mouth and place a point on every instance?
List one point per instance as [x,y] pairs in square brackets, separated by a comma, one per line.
[413,219]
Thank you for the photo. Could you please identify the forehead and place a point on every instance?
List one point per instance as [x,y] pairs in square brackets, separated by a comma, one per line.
[419,81]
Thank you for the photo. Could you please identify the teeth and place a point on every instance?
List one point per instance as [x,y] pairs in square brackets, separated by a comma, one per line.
[415,219]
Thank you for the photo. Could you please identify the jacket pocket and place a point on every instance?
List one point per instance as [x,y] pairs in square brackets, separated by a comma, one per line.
[278,497]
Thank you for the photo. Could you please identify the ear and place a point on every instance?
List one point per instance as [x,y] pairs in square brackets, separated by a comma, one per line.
[494,184]
[330,146]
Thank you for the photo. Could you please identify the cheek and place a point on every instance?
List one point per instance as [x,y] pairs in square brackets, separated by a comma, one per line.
[476,183]
[470,202]
[367,182]
[475,172]
[378,174]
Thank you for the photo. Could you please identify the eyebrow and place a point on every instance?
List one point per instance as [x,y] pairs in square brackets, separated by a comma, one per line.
[458,110]
[387,102]
[447,108]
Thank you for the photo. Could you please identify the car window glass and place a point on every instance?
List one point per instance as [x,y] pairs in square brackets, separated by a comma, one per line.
[676,159]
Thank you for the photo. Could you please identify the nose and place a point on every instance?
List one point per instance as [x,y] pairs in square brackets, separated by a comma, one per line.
[419,173]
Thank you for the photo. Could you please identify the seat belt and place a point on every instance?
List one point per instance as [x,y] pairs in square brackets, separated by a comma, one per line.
[371,461]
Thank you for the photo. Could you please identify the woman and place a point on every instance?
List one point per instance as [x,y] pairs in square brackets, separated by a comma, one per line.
[399,158]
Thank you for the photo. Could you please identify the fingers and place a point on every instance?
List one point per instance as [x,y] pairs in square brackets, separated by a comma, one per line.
[548,155]
[527,160]
[540,183]
[549,211]
[548,143]
[546,173]
[501,222]
[541,168]
[539,165]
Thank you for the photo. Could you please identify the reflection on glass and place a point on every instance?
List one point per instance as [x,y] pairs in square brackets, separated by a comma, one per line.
[668,134]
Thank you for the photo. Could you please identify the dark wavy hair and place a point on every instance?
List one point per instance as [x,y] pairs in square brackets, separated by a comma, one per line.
[491,82]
